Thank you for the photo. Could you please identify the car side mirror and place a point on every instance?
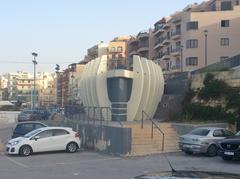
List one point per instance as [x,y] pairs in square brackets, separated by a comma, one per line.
[36,137]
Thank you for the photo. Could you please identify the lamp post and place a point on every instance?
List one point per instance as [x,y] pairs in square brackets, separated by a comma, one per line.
[57,68]
[206,36]
[34,83]
[72,87]
[181,48]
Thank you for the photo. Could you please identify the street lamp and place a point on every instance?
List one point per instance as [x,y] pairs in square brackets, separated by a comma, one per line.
[206,35]
[181,48]
[72,87]
[57,68]
[34,85]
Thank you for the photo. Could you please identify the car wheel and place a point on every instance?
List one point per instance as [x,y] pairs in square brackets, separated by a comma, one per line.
[226,157]
[212,151]
[188,152]
[25,150]
[72,147]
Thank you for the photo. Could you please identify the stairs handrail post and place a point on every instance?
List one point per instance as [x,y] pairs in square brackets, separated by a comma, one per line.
[163,138]
[142,119]
[152,130]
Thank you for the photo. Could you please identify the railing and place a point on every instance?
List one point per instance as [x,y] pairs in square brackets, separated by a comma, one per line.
[176,32]
[120,63]
[90,114]
[153,124]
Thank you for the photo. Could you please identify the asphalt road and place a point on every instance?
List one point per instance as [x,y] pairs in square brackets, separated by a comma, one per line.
[91,165]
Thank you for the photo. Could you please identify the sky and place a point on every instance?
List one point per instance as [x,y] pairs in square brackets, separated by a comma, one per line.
[61,31]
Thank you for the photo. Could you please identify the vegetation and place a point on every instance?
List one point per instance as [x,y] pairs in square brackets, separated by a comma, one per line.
[217,90]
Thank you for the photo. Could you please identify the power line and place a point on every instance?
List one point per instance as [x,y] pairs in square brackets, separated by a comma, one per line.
[41,63]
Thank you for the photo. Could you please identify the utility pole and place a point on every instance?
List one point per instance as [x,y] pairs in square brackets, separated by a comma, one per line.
[34,85]
[206,55]
[57,68]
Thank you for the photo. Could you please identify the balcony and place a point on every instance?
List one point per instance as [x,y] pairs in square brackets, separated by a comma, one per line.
[143,47]
[165,56]
[176,34]
[120,63]
[158,31]
[166,26]
[133,41]
[166,40]
[176,52]
[133,52]
[142,35]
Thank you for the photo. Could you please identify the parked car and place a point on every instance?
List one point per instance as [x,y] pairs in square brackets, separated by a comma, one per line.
[203,140]
[43,113]
[29,115]
[23,128]
[229,148]
[45,139]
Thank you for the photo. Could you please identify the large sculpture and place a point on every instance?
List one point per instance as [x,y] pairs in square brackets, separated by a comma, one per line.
[127,87]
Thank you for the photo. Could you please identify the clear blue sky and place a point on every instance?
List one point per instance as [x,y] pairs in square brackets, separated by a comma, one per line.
[60,31]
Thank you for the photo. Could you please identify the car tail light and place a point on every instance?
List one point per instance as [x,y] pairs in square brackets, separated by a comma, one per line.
[77,134]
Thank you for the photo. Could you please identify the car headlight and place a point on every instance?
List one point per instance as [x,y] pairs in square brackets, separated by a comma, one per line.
[15,143]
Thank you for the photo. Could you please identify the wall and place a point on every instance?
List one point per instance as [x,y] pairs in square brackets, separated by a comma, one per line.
[211,21]
[231,77]
[102,138]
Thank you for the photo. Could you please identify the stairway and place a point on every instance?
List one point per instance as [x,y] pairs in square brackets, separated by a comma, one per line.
[144,144]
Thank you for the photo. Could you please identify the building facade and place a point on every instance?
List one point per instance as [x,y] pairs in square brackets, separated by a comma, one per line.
[96,51]
[198,36]
[46,88]
[141,44]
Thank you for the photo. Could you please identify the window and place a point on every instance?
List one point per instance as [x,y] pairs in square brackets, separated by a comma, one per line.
[192,61]
[119,49]
[225,23]
[224,41]
[218,133]
[24,128]
[227,133]
[200,132]
[193,25]
[226,5]
[193,43]
[45,134]
[112,49]
[37,126]
[58,132]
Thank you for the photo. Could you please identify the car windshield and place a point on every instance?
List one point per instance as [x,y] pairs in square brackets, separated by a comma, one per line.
[32,133]
[237,134]
[200,132]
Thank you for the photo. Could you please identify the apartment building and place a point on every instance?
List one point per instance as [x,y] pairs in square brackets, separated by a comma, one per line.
[24,85]
[198,36]
[46,88]
[96,51]
[141,44]
[68,84]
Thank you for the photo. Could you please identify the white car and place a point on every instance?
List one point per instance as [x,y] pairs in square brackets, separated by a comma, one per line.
[45,139]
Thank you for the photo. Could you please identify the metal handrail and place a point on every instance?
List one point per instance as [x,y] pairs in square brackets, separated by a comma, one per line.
[153,124]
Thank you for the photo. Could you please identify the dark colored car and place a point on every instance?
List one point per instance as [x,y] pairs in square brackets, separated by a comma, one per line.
[230,148]
[23,128]
[29,115]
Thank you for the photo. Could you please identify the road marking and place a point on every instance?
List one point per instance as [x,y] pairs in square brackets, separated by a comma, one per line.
[60,163]
[103,159]
[16,162]
[75,174]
